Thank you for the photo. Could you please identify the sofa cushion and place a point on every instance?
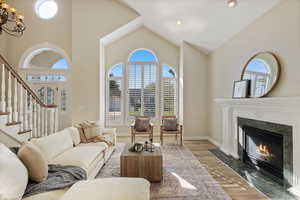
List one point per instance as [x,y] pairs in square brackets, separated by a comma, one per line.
[52,195]
[13,175]
[55,144]
[34,161]
[74,132]
[109,189]
[80,156]
[94,144]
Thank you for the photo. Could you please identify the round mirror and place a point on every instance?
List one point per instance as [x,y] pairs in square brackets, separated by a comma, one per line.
[263,71]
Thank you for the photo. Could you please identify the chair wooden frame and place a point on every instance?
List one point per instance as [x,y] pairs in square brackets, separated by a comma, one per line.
[134,132]
[177,132]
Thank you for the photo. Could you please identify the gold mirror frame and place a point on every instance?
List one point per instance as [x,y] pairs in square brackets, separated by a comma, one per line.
[278,74]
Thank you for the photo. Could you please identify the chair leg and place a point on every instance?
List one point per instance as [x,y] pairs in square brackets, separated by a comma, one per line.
[161,138]
[181,139]
[132,138]
[176,136]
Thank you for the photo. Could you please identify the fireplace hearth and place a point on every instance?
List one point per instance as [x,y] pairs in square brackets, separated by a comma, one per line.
[267,147]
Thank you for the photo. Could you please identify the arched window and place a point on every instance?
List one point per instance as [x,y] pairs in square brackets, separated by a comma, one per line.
[114,99]
[169,91]
[142,87]
[142,84]
[60,64]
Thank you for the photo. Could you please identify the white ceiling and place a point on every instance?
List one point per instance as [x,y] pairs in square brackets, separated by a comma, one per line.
[207,24]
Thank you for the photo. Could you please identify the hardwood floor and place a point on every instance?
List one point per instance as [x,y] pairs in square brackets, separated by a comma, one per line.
[236,187]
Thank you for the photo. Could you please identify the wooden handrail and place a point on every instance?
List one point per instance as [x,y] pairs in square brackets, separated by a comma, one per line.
[24,84]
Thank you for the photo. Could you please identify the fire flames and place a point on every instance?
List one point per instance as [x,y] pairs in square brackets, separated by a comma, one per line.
[264,151]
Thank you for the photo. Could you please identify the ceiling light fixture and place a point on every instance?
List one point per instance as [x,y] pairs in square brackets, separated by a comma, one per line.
[179,22]
[232,3]
[11,22]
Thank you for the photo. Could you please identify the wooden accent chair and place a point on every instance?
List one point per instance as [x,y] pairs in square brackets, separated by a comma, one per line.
[135,132]
[166,132]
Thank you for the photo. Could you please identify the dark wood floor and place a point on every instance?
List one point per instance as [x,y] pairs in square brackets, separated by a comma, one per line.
[236,187]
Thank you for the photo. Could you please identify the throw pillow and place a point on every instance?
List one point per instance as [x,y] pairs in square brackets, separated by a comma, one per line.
[90,130]
[170,124]
[75,135]
[142,124]
[81,133]
[34,161]
[13,175]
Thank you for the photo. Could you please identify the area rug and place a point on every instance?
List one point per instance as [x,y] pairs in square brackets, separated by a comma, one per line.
[184,178]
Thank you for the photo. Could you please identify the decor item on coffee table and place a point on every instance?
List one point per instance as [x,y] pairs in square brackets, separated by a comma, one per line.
[141,126]
[145,164]
[170,126]
[263,69]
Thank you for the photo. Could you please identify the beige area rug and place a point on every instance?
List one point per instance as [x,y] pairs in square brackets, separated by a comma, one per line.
[184,177]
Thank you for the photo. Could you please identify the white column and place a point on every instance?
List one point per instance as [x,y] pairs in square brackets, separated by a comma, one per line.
[9,97]
[3,87]
[227,146]
[15,105]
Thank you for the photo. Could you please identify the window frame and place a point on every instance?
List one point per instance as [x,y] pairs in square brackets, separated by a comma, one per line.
[122,88]
[125,118]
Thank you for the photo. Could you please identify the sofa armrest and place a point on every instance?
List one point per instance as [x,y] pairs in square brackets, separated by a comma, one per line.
[112,132]
[109,189]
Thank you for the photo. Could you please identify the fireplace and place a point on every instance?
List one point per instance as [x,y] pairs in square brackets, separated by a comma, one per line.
[264,150]
[267,147]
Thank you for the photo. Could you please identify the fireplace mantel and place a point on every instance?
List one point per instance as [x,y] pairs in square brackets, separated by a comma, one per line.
[281,110]
[258,102]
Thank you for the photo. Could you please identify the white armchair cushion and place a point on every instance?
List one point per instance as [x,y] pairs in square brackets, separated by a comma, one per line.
[13,175]
[110,189]
[53,145]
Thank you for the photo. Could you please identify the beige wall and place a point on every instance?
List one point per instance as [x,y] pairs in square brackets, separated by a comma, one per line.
[277,31]
[119,51]
[56,31]
[195,65]
[91,21]
[3,49]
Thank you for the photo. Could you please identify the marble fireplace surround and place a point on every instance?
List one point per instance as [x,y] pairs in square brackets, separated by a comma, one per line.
[279,110]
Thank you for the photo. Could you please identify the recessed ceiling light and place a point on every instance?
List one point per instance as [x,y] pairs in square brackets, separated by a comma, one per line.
[179,22]
[232,3]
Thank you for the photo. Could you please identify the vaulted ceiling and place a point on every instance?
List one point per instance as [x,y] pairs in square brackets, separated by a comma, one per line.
[207,24]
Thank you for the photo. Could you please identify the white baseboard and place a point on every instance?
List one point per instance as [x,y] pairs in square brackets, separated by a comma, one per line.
[195,138]
[214,142]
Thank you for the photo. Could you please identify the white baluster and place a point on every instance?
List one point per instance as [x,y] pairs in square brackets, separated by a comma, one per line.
[51,120]
[56,120]
[15,105]
[9,97]
[3,87]
[21,108]
[46,121]
[29,113]
[38,120]
[34,130]
[25,113]
[42,122]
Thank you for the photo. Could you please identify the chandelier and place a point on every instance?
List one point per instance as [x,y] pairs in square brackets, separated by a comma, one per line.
[11,22]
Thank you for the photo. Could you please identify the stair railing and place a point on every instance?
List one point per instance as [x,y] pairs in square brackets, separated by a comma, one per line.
[23,106]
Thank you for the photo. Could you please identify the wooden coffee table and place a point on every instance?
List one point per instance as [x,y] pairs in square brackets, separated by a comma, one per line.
[148,165]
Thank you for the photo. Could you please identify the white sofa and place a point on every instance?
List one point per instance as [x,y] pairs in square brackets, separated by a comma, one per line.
[65,148]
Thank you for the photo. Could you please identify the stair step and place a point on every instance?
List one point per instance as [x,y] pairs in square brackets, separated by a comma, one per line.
[13,123]
[23,132]
[4,113]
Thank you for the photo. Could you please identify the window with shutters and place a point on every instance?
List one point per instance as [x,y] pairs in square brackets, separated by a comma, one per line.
[169,91]
[140,88]
[115,84]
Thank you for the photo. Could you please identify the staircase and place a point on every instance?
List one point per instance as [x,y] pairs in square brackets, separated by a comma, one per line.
[22,114]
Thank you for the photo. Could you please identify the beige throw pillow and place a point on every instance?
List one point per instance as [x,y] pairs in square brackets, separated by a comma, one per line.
[90,130]
[81,133]
[34,161]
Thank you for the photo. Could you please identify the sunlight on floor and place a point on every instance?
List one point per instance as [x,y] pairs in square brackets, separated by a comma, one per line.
[184,183]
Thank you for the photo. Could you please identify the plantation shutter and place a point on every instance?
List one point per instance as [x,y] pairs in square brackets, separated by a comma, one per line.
[114,103]
[149,90]
[169,103]
[134,90]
